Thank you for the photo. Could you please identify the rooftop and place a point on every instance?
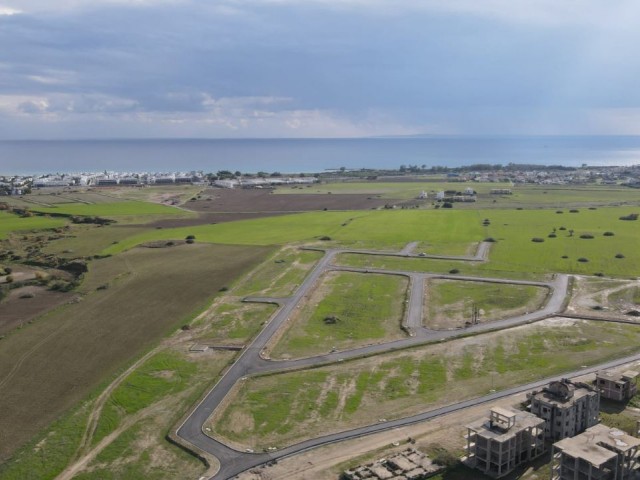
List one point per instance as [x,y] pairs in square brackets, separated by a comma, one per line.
[521,421]
[591,444]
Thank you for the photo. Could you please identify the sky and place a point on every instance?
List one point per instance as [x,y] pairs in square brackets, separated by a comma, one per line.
[77,69]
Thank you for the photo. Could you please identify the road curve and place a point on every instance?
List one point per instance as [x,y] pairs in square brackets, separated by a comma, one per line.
[251,362]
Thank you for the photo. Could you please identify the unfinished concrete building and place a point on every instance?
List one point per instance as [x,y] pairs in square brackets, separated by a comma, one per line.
[617,386]
[567,408]
[600,453]
[496,446]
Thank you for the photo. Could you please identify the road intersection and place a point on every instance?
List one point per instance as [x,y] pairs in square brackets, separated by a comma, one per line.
[251,361]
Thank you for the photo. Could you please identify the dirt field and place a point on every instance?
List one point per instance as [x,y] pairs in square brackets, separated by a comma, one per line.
[234,200]
[19,308]
[220,205]
[48,366]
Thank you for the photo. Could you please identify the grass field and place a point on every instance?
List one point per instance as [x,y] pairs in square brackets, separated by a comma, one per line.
[111,209]
[281,274]
[527,196]
[280,409]
[450,303]
[10,223]
[139,450]
[64,355]
[447,231]
[367,308]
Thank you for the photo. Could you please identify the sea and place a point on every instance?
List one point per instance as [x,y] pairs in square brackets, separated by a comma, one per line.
[310,155]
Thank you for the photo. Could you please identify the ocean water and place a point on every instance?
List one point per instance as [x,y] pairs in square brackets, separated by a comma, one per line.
[310,155]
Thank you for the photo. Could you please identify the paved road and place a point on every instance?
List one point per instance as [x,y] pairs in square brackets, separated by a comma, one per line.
[251,362]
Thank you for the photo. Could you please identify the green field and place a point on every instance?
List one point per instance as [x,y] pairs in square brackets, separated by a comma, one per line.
[450,303]
[10,223]
[366,308]
[280,409]
[447,231]
[111,209]
[526,196]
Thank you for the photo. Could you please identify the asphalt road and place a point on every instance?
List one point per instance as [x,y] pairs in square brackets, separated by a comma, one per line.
[250,361]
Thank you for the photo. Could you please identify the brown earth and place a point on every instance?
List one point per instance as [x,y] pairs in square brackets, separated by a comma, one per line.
[263,200]
[218,205]
[16,311]
[48,366]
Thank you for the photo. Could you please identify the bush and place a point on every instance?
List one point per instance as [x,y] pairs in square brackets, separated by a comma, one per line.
[562,228]
[619,255]
[552,235]
[599,274]
[574,211]
[583,260]
[631,216]
[223,289]
[490,240]
[325,238]
[608,234]
[586,236]
[104,286]
[537,240]
[592,208]
[447,205]
[453,271]
[559,211]
[565,256]
[190,237]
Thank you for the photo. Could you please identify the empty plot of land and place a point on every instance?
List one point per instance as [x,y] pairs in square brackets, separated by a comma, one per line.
[23,304]
[347,310]
[450,304]
[46,367]
[263,200]
[280,409]
[281,274]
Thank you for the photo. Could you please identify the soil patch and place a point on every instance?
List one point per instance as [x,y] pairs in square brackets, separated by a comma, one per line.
[259,200]
[24,304]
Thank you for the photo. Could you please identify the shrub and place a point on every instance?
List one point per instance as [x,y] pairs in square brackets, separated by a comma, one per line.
[586,236]
[453,271]
[104,286]
[583,260]
[190,237]
[562,228]
[519,208]
[574,211]
[447,205]
[599,274]
[565,256]
[559,211]
[631,216]
[27,295]
[490,239]
[223,289]
[608,234]
[592,208]
[537,240]
[325,238]
[552,235]
[619,255]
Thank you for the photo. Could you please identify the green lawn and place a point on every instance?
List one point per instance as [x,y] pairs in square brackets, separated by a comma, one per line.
[279,409]
[10,223]
[367,308]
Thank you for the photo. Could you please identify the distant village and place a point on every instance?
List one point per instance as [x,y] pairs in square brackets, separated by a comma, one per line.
[512,174]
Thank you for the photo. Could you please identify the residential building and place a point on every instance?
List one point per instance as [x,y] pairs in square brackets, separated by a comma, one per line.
[600,453]
[496,446]
[567,408]
[617,386]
